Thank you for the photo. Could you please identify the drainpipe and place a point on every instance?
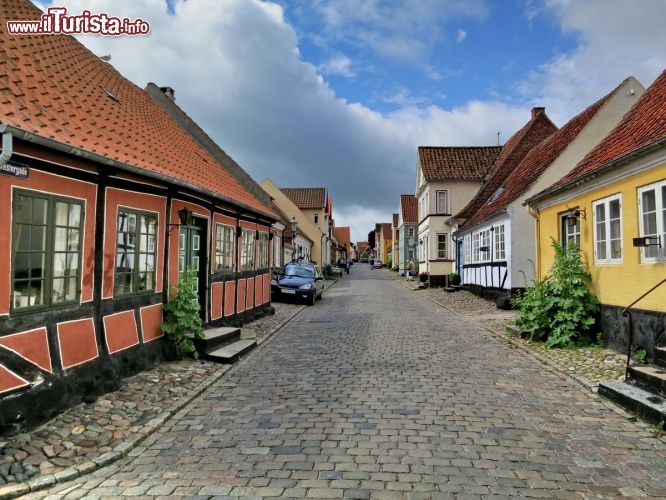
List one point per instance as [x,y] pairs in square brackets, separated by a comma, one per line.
[535,214]
[7,150]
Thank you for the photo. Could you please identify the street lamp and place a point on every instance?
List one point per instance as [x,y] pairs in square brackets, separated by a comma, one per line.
[293,223]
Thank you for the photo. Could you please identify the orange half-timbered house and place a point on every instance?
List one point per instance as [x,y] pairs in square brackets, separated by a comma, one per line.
[107,195]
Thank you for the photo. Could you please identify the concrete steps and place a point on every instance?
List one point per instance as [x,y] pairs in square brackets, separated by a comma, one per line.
[225,344]
[644,390]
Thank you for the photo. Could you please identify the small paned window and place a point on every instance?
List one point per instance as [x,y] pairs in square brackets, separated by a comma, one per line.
[442,202]
[441,246]
[136,252]
[46,251]
[262,251]
[224,248]
[500,247]
[652,210]
[247,250]
[484,250]
[608,230]
[570,230]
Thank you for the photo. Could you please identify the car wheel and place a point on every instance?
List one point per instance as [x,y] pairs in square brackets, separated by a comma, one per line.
[311,299]
[321,295]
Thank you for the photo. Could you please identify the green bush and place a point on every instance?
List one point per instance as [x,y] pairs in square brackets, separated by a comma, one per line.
[327,271]
[559,309]
[183,322]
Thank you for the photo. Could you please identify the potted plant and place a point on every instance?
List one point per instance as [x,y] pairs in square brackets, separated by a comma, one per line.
[423,276]
[454,279]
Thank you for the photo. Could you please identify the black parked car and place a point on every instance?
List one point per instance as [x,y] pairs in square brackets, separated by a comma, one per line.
[298,280]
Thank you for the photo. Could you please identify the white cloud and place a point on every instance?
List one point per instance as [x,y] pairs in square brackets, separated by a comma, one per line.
[460,36]
[338,65]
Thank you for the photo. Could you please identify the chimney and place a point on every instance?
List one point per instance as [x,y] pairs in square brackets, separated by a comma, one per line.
[169,92]
[537,111]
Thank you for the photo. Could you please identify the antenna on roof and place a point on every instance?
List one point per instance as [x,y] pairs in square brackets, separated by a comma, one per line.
[498,133]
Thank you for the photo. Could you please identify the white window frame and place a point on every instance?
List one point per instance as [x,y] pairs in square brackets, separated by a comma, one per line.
[442,201]
[225,239]
[468,249]
[602,230]
[484,242]
[653,253]
[475,247]
[500,244]
[570,233]
[442,239]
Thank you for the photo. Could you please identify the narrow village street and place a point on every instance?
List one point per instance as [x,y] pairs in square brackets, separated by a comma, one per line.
[376,393]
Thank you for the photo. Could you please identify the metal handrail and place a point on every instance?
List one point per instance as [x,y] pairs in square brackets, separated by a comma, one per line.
[627,314]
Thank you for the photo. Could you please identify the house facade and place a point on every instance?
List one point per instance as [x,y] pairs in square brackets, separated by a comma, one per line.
[316,207]
[615,201]
[447,178]
[383,242]
[407,230]
[498,247]
[307,240]
[99,221]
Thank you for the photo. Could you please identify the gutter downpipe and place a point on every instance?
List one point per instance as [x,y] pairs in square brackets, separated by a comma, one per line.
[535,215]
[7,145]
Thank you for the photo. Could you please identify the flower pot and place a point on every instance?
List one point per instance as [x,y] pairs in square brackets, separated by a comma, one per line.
[423,278]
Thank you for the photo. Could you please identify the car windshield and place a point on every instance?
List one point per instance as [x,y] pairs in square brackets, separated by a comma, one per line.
[298,270]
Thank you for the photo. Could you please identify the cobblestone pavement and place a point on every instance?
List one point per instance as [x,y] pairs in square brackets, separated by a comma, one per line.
[356,399]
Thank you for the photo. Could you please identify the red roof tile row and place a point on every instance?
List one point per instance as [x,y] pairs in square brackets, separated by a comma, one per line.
[457,163]
[409,208]
[306,197]
[517,147]
[644,124]
[537,161]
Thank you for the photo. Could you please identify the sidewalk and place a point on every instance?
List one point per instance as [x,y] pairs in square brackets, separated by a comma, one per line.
[90,436]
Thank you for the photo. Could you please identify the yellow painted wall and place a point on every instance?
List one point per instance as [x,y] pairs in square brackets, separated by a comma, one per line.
[614,284]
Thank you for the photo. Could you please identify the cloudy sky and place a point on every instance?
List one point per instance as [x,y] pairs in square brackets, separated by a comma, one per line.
[340,93]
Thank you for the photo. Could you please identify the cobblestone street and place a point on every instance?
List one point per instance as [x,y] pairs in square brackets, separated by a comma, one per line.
[377,393]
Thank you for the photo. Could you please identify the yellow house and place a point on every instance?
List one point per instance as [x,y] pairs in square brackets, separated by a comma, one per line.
[613,205]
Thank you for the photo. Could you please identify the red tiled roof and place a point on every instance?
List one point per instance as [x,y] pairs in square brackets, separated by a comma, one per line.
[386,231]
[306,197]
[457,163]
[644,124]
[342,234]
[537,161]
[54,87]
[517,147]
[409,208]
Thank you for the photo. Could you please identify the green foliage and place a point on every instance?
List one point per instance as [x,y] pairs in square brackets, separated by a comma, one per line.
[640,356]
[327,271]
[454,279]
[560,309]
[183,322]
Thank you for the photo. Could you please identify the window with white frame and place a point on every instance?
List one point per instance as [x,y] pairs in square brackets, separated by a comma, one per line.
[608,229]
[500,247]
[468,249]
[224,248]
[277,251]
[136,252]
[442,202]
[410,232]
[247,250]
[475,247]
[652,209]
[262,251]
[441,246]
[484,250]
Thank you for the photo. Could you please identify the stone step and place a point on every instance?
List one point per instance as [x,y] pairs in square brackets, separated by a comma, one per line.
[636,400]
[231,352]
[649,377]
[214,338]
[660,356]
